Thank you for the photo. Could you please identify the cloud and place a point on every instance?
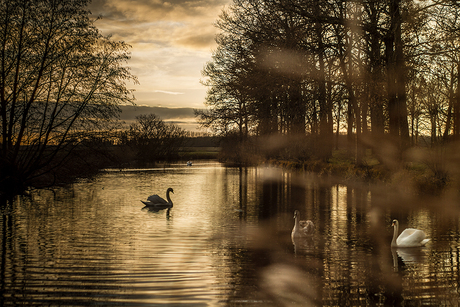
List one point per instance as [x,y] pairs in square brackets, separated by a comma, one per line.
[200,41]
[178,22]
[147,10]
[191,98]
[171,42]
[169,93]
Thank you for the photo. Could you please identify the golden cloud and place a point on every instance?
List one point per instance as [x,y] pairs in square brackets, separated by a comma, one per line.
[178,22]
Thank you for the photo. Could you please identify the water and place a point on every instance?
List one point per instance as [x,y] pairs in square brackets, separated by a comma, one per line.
[226,242]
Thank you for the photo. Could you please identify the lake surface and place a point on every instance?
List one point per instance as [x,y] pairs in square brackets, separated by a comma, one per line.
[226,242]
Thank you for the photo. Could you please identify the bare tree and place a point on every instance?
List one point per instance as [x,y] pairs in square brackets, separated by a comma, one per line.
[227,90]
[152,139]
[362,61]
[59,78]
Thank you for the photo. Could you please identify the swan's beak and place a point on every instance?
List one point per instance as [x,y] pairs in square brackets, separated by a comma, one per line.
[393,223]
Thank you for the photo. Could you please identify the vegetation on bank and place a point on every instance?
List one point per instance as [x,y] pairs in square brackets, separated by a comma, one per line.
[89,157]
[200,148]
[422,169]
[418,177]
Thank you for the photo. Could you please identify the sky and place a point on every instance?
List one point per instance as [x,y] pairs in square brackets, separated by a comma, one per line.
[171,42]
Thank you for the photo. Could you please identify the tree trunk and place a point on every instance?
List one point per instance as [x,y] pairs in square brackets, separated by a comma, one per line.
[456,107]
[325,137]
[375,97]
[397,105]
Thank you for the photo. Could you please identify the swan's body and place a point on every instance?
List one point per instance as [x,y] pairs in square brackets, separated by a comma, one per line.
[156,201]
[410,237]
[301,228]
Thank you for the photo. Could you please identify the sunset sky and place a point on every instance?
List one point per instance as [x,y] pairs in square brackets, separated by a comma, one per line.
[171,42]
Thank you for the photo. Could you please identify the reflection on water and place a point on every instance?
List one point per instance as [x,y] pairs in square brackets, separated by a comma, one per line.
[225,242]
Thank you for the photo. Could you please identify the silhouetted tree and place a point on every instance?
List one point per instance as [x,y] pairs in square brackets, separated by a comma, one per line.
[227,90]
[309,66]
[59,78]
[152,139]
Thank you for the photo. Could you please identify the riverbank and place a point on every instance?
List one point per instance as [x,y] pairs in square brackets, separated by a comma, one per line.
[423,170]
[417,174]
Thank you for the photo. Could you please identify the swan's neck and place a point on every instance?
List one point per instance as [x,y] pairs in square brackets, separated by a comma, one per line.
[395,234]
[296,222]
[168,198]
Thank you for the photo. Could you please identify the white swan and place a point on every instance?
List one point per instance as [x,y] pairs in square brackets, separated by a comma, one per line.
[155,201]
[410,237]
[301,228]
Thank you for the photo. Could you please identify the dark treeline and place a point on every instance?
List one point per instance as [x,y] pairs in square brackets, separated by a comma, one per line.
[381,72]
[143,143]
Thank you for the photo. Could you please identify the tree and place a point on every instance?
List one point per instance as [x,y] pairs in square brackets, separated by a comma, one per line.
[153,139]
[359,65]
[445,46]
[59,79]
[227,94]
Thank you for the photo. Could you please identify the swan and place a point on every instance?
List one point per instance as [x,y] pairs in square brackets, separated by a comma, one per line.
[301,228]
[410,237]
[155,201]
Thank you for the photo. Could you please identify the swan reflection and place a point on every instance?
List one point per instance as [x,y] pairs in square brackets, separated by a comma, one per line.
[303,245]
[408,256]
[155,210]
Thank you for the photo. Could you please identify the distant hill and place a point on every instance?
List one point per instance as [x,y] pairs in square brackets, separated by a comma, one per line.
[129,113]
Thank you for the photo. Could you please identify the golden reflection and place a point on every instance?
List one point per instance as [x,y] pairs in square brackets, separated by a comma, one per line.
[226,241]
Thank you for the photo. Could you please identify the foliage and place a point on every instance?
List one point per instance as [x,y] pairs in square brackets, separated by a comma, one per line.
[59,79]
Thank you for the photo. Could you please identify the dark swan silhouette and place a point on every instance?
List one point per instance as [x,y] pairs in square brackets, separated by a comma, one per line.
[156,202]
